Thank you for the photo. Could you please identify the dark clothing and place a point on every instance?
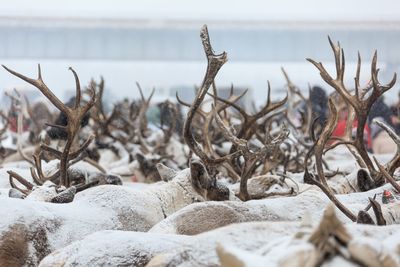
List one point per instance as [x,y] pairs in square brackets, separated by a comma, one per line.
[382,111]
[62,120]
[396,116]
[319,106]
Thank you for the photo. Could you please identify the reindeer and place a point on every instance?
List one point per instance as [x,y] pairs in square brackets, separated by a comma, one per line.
[72,117]
[254,150]
[359,106]
[201,217]
[103,207]
[274,243]
[315,248]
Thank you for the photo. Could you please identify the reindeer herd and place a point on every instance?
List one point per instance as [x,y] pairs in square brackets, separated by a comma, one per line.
[218,187]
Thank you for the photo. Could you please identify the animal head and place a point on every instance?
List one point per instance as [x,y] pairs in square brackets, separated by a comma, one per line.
[200,181]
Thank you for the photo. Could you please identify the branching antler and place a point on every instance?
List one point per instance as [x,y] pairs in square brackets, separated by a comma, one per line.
[394,163]
[74,116]
[141,118]
[214,63]
[249,125]
[359,101]
[251,158]
[320,180]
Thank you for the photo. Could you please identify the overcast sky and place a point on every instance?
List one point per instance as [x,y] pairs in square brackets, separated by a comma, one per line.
[353,10]
[120,75]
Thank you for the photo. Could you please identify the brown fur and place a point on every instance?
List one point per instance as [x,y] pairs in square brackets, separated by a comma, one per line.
[15,242]
[14,248]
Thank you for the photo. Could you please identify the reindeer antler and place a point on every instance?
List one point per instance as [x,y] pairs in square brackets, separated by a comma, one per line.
[319,150]
[358,101]
[74,115]
[214,63]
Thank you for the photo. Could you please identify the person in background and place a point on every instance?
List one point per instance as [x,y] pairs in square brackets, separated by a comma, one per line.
[381,141]
[319,106]
[340,129]
[62,119]
[395,117]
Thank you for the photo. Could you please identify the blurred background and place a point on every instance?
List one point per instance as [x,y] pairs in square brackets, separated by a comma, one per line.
[156,43]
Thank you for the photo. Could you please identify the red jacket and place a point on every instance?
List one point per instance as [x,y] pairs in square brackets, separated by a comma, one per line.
[341,127]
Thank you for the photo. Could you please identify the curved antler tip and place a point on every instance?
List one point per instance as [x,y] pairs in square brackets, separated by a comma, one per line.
[287,94]
[6,68]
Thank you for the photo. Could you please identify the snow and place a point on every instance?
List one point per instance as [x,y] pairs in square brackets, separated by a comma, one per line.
[271,242]
[201,217]
[103,207]
[271,231]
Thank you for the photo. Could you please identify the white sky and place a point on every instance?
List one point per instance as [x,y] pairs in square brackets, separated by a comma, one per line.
[334,10]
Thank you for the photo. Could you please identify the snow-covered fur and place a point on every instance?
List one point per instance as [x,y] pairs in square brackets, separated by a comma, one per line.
[359,244]
[30,230]
[202,217]
[276,243]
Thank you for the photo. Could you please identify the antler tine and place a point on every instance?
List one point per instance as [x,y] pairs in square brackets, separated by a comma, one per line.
[215,93]
[145,102]
[214,63]
[270,106]
[38,178]
[338,53]
[92,100]
[389,130]
[394,163]
[151,95]
[324,137]
[376,207]
[37,172]
[292,87]
[357,78]
[319,149]
[180,101]
[35,177]
[39,84]
[241,143]
[99,100]
[77,88]
[82,147]
[388,177]
[268,93]
[231,92]
[233,104]
[288,81]
[231,101]
[141,92]
[379,89]
[24,182]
